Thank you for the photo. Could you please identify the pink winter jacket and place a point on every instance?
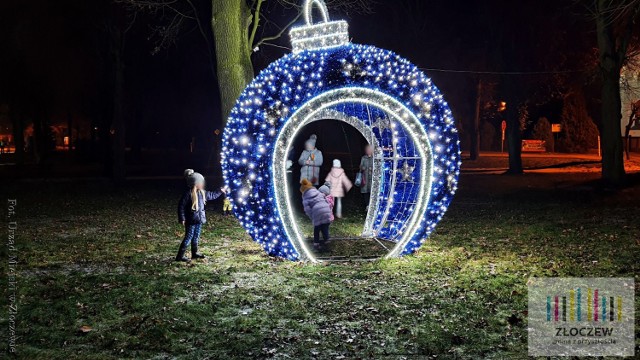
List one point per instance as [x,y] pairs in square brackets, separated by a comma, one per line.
[340,183]
[332,203]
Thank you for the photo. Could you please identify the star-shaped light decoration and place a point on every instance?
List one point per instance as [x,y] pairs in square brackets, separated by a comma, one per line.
[353,70]
[247,183]
[275,112]
[407,172]
[245,189]
[452,184]
[383,123]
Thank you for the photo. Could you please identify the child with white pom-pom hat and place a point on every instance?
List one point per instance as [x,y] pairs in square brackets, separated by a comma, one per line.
[191,213]
[339,184]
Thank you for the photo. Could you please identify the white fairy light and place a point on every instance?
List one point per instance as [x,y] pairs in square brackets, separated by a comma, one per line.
[305,115]
[322,35]
[325,72]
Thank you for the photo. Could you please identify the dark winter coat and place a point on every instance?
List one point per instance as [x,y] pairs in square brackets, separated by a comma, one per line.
[316,207]
[189,216]
[366,167]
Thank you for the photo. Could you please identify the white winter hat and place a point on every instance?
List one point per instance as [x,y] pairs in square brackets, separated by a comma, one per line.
[337,163]
[312,140]
[193,178]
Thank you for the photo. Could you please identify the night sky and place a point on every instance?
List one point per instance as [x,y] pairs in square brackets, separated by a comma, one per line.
[55,49]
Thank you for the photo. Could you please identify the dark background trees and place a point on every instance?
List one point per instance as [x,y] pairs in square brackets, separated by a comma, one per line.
[129,75]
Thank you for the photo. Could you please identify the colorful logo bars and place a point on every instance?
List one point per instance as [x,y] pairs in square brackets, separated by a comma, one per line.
[598,307]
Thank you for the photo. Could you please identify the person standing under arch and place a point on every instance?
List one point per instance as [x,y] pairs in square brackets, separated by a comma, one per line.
[340,185]
[310,161]
[366,169]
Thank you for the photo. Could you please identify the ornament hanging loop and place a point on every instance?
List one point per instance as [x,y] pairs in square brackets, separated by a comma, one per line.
[308,10]
[323,34]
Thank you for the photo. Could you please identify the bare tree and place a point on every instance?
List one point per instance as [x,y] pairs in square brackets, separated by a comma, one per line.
[238,28]
[616,29]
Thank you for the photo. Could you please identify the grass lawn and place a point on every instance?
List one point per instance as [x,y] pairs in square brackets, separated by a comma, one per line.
[345,233]
[101,257]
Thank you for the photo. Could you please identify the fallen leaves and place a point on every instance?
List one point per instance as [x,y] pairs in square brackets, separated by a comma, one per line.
[239,298]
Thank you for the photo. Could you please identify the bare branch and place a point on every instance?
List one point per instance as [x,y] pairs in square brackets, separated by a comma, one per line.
[279,34]
[611,11]
[360,6]
[628,33]
[166,10]
[173,13]
[277,46]
[346,6]
[204,36]
[256,22]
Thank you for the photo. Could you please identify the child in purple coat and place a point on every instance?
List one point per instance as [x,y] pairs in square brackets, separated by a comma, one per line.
[191,213]
[317,209]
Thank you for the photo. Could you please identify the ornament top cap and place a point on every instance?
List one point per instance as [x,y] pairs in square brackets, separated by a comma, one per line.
[308,11]
[324,34]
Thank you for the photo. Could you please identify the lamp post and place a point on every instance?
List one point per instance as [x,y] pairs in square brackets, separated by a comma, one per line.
[502,108]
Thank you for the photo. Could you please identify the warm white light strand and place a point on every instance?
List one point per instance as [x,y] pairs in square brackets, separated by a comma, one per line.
[317,36]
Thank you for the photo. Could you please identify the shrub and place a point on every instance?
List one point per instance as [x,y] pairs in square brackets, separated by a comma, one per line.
[579,133]
[542,131]
[487,136]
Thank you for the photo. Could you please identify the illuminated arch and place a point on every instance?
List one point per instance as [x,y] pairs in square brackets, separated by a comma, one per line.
[417,158]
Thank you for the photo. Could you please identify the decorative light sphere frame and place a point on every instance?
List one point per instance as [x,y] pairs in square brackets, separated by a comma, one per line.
[390,101]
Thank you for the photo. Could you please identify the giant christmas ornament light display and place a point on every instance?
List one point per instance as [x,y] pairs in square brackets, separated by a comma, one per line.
[385,97]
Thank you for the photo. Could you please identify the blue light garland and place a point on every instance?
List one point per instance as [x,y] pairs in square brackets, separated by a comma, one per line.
[287,86]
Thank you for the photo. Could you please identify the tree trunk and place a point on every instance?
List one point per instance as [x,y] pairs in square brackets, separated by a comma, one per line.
[513,132]
[475,125]
[610,65]
[69,131]
[136,140]
[612,147]
[17,119]
[39,143]
[117,123]
[116,136]
[229,22]
[514,142]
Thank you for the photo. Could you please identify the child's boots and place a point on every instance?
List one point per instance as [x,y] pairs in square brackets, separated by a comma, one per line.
[180,256]
[194,250]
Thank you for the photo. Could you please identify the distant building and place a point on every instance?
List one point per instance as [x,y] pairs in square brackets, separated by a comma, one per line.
[630,94]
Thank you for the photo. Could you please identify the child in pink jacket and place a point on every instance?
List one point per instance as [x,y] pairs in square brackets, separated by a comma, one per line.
[340,185]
